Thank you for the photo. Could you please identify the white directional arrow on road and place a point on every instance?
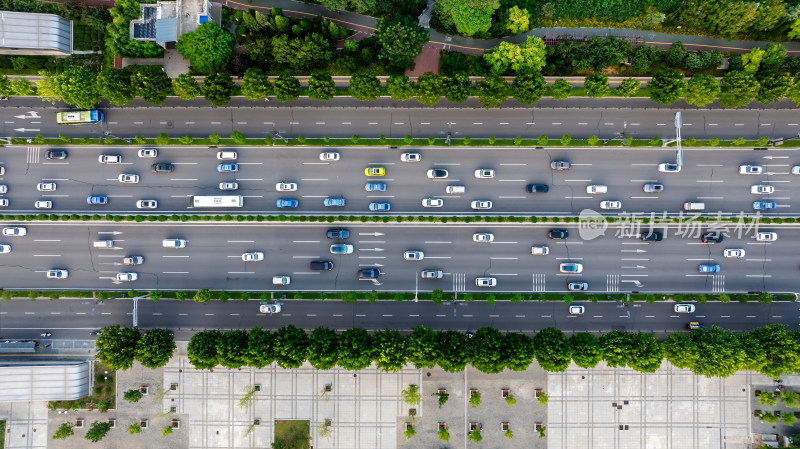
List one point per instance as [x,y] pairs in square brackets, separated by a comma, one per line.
[370,249]
[775,157]
[637,267]
[634,251]
[370,233]
[634,281]
[22,130]
[31,114]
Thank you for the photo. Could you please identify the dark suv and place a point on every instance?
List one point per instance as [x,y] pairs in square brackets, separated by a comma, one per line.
[558,234]
[711,237]
[537,188]
[655,236]
[338,233]
[163,167]
[321,265]
[369,273]
[56,154]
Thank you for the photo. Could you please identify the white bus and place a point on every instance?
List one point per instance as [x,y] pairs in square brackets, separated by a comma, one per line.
[218,201]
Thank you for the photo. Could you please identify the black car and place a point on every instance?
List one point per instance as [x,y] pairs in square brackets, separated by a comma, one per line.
[338,233]
[369,273]
[655,236]
[321,265]
[711,237]
[537,188]
[163,167]
[56,154]
[558,234]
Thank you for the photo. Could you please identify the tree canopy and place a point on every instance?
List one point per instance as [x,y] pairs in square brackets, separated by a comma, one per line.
[666,86]
[208,48]
[528,57]
[116,346]
[401,40]
[155,348]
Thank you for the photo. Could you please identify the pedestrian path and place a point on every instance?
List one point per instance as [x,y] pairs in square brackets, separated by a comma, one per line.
[356,21]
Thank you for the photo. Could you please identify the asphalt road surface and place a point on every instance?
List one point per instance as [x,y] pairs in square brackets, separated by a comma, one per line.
[616,262]
[74,319]
[708,176]
[344,117]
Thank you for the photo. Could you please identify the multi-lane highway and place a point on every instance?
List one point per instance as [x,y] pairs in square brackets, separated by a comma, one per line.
[74,319]
[709,176]
[616,262]
[343,117]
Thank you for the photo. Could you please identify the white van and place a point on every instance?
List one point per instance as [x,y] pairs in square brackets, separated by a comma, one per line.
[226,155]
[596,189]
[173,243]
[690,205]
[103,244]
[540,250]
[455,189]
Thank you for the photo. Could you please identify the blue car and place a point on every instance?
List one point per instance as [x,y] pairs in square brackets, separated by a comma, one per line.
[375,187]
[334,202]
[709,268]
[379,207]
[338,233]
[96,199]
[287,204]
[227,168]
[764,205]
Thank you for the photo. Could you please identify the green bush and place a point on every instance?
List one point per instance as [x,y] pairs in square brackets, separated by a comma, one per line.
[162,139]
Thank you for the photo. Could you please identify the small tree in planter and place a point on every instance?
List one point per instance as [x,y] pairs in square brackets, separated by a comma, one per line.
[166,431]
[443,434]
[133,429]
[132,396]
[540,428]
[510,399]
[474,398]
[475,435]
[410,432]
[443,396]
[326,429]
[97,431]
[543,398]
[788,418]
[411,395]
[63,431]
[509,433]
[766,398]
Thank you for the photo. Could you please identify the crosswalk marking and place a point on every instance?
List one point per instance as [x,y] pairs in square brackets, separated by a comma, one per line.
[718,283]
[33,155]
[459,282]
[539,282]
[612,282]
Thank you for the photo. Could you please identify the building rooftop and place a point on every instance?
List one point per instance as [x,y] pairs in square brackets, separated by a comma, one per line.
[25,33]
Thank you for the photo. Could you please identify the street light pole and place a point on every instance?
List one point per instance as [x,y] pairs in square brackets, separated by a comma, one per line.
[136,308]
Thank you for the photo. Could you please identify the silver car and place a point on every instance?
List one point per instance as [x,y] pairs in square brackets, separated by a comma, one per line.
[413,255]
[481,204]
[43,204]
[431,274]
[684,308]
[653,188]
[46,187]
[128,178]
[127,277]
[286,187]
[133,260]
[57,274]
[229,186]
[485,282]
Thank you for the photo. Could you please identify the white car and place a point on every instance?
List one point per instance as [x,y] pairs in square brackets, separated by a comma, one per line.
[410,157]
[766,236]
[148,152]
[133,260]
[3,188]
[329,156]
[795,170]
[734,253]
[286,187]
[540,250]
[612,205]
[147,204]
[128,179]
[570,267]
[478,205]
[669,168]
[762,189]
[576,310]
[5,249]
[269,308]
[109,159]
[487,237]
[684,308]
[57,274]
[281,280]
[413,255]
[229,186]
[438,173]
[3,202]
[432,202]
[750,169]
[596,189]
[18,231]
[484,173]
[253,256]
[485,282]
[43,204]
[46,187]
[127,277]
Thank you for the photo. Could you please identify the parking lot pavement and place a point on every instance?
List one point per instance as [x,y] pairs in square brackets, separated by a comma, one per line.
[618,408]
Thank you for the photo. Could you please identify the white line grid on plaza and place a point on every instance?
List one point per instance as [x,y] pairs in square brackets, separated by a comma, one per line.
[618,408]
[363,406]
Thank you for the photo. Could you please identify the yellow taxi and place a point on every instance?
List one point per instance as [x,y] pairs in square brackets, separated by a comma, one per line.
[374,171]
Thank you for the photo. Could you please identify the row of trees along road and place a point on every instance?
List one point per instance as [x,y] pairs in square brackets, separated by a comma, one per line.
[713,352]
